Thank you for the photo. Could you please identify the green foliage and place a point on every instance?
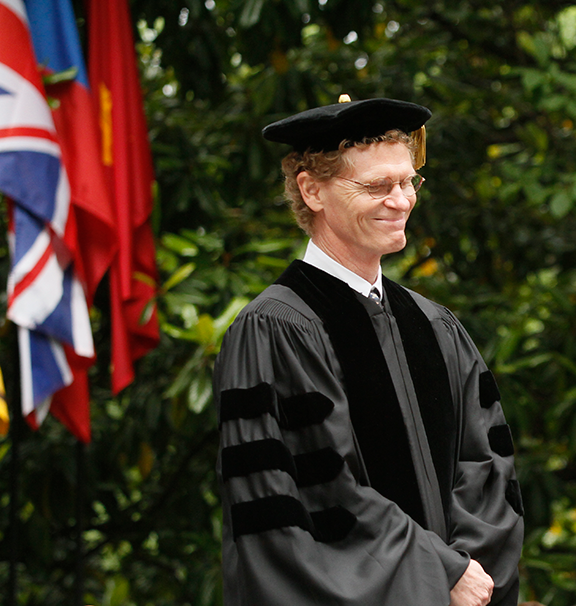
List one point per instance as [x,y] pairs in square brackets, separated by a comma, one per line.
[493,238]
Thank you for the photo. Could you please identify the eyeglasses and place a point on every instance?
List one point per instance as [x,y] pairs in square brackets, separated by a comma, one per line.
[382,187]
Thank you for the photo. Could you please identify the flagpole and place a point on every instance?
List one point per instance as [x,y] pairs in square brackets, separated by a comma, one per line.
[80,469]
[13,399]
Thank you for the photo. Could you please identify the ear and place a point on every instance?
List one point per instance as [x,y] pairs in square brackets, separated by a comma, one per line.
[310,191]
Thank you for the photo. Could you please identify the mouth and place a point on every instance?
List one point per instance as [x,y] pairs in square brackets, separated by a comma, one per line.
[390,219]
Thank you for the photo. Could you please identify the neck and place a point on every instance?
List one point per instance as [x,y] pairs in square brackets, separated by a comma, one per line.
[367,268]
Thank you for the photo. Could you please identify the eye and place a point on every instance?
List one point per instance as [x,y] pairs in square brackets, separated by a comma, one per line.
[380,188]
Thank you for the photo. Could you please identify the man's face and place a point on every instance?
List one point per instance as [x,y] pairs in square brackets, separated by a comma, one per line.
[350,224]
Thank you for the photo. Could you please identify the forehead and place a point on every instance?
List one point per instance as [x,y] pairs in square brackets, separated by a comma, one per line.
[376,158]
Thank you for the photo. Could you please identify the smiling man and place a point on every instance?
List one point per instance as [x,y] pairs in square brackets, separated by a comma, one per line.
[365,459]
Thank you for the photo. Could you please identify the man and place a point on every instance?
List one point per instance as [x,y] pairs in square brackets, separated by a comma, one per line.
[365,459]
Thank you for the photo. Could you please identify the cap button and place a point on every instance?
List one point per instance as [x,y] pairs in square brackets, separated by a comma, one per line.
[344,99]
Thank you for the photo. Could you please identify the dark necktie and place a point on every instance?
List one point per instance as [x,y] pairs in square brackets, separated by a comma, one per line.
[374,295]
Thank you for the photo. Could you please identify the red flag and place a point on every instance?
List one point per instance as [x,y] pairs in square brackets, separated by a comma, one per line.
[127,159]
[90,230]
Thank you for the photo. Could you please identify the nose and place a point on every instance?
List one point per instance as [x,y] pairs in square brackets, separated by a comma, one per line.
[396,199]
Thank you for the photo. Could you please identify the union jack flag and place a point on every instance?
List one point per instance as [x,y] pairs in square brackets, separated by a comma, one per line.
[46,298]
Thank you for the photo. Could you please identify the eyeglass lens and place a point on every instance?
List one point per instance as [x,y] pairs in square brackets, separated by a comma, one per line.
[381,188]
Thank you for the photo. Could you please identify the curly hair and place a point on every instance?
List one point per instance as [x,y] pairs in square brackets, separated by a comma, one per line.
[323,166]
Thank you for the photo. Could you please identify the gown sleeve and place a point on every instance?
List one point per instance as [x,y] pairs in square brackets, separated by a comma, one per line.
[299,525]
[486,513]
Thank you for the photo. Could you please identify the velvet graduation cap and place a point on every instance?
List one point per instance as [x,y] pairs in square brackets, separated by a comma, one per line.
[324,128]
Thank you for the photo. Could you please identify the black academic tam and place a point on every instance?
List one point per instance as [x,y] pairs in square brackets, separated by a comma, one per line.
[324,128]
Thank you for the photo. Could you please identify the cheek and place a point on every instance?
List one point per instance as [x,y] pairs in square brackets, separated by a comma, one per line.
[345,211]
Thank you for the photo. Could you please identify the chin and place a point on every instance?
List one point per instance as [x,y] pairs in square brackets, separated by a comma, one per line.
[394,247]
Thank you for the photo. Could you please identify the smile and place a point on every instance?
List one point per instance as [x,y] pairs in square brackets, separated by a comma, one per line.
[389,219]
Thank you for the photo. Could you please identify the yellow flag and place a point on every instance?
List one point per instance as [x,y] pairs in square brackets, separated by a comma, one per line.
[4,418]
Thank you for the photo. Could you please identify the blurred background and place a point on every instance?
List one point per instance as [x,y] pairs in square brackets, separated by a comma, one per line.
[493,238]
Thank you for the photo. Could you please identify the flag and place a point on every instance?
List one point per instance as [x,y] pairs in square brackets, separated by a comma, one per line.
[4,417]
[54,269]
[91,232]
[45,298]
[127,159]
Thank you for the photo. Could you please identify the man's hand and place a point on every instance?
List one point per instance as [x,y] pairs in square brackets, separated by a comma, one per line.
[474,587]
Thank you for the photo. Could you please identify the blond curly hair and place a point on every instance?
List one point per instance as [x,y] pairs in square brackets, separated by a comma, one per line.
[324,166]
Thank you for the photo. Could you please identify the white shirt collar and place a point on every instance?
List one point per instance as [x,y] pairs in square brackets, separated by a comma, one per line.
[318,258]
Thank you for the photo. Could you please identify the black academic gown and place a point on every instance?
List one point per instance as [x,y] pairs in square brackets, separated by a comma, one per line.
[364,454]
